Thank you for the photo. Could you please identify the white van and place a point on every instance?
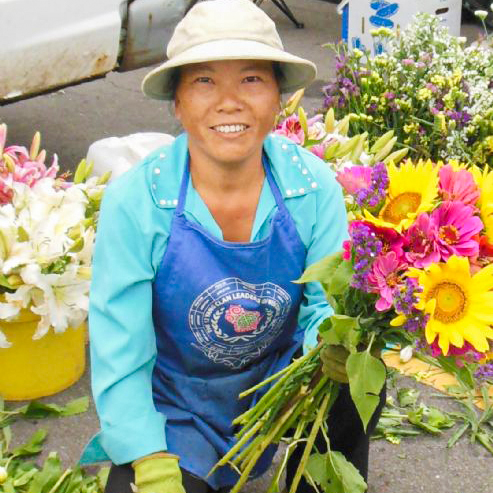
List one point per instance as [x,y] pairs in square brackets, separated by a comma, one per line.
[47,44]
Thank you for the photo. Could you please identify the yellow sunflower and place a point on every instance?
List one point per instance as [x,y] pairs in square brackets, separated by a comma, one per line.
[484,180]
[412,190]
[460,306]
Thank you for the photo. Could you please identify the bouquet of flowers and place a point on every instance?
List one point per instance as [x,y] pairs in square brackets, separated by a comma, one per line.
[47,228]
[431,90]
[417,270]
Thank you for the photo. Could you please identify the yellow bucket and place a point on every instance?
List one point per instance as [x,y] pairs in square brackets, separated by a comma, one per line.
[36,368]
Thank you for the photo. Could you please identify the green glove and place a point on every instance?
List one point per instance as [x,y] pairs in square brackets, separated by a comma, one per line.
[158,473]
[334,359]
[334,362]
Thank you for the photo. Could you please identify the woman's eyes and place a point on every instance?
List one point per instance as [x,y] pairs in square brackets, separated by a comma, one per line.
[203,80]
[208,80]
[252,78]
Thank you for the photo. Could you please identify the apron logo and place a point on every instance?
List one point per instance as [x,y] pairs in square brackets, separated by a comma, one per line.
[242,320]
[234,322]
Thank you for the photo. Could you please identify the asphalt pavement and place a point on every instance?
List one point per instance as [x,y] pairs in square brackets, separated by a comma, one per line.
[72,118]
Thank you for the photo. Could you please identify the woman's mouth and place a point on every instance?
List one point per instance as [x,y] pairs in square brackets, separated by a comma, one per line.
[230,129]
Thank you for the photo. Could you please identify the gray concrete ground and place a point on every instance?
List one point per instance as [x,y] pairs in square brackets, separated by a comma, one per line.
[71,119]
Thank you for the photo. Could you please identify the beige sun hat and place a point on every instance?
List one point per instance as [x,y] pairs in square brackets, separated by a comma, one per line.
[227,30]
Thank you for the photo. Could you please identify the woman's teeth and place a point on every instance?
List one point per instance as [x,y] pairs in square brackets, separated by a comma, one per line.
[226,129]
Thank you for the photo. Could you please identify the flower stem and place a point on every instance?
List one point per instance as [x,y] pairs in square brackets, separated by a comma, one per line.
[309,444]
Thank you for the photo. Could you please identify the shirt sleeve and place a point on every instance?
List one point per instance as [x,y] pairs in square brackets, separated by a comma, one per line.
[330,229]
[122,340]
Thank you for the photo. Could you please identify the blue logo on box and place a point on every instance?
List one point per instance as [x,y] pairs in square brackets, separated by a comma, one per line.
[383,10]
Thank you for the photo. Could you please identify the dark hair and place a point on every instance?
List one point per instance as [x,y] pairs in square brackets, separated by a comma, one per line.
[174,78]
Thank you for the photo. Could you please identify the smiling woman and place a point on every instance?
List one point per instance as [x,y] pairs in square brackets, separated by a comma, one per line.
[192,298]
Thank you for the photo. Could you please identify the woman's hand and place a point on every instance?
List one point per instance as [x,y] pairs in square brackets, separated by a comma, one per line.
[334,362]
[158,473]
[334,359]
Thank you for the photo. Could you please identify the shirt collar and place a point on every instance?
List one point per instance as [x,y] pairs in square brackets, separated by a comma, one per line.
[165,168]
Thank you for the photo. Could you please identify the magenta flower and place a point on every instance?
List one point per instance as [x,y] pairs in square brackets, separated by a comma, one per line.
[456,225]
[355,178]
[467,351]
[291,128]
[422,242]
[384,278]
[458,185]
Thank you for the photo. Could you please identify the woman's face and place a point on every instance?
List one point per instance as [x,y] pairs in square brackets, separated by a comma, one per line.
[227,108]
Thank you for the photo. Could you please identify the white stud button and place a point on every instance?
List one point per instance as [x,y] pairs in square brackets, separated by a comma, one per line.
[314,185]
[302,190]
[175,202]
[296,159]
[154,186]
[288,192]
[162,155]
[162,202]
[157,171]
[305,171]
[284,146]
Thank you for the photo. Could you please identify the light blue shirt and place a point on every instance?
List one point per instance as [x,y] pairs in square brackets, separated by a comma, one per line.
[133,231]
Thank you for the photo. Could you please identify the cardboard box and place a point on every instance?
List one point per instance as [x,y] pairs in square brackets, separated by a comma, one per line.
[359,17]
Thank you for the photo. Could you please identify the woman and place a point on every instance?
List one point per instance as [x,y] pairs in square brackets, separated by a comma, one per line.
[192,299]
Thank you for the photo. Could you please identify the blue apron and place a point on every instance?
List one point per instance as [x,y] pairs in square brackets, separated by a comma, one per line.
[225,317]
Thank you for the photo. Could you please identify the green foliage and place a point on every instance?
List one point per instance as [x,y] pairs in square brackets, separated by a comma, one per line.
[334,473]
[366,378]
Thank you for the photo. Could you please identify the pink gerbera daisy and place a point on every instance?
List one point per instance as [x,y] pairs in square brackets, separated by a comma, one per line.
[422,242]
[384,278]
[458,185]
[355,178]
[456,225]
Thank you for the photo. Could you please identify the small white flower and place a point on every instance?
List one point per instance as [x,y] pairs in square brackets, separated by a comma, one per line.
[406,354]
[481,14]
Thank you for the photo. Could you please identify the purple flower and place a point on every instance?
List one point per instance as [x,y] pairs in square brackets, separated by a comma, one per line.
[371,196]
[461,117]
[389,95]
[484,372]
[367,247]
[407,62]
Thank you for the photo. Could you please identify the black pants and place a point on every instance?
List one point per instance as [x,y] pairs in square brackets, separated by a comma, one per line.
[346,436]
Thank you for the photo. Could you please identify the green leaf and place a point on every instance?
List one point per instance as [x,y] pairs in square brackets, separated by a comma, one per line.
[341,278]
[39,410]
[348,475]
[366,378]
[323,270]
[4,282]
[33,446]
[334,473]
[341,330]
[76,406]
[407,396]
[438,419]
[417,419]
[45,479]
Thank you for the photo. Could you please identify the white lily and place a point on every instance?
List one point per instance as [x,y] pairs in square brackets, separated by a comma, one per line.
[61,299]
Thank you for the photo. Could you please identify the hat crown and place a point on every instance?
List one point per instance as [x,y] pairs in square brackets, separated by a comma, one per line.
[216,20]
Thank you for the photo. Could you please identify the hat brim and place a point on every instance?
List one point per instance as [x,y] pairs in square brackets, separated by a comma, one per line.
[297,72]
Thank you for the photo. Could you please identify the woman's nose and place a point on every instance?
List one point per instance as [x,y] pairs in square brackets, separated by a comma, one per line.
[229,100]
